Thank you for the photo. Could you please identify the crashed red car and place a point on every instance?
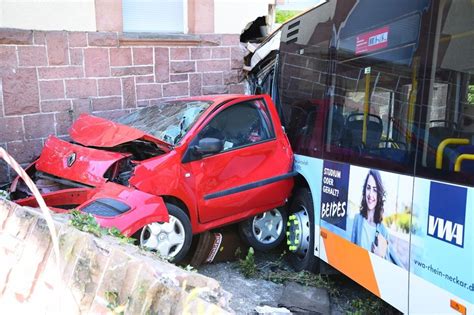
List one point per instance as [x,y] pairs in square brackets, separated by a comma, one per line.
[165,172]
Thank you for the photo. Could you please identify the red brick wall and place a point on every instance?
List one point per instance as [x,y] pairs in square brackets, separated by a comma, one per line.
[48,78]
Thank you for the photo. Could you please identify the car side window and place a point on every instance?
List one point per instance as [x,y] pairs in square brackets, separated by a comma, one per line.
[240,125]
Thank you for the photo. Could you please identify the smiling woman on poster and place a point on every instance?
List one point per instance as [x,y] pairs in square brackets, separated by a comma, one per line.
[368,230]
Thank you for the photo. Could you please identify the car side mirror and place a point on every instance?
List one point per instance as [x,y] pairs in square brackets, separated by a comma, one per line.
[209,146]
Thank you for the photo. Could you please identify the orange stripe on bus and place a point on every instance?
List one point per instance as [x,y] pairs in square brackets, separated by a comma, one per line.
[350,259]
[458,307]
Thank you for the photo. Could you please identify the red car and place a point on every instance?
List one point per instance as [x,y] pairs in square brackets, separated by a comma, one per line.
[165,172]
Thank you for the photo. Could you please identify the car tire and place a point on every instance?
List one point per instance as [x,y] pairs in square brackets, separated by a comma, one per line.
[301,232]
[171,240]
[265,231]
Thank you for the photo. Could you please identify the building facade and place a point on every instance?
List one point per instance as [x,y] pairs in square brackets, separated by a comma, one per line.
[59,59]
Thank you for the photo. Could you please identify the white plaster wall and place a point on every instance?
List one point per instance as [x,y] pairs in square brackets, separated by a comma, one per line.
[231,16]
[73,15]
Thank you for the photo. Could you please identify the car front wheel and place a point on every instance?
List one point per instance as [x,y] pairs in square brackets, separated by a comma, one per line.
[171,240]
[264,231]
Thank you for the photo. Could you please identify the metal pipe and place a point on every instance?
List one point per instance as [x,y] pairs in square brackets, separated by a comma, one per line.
[443,144]
[460,159]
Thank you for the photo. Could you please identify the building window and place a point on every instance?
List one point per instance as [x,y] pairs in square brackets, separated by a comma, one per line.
[164,16]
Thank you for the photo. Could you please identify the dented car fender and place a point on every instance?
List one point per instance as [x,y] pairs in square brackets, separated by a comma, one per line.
[165,176]
[111,204]
[141,208]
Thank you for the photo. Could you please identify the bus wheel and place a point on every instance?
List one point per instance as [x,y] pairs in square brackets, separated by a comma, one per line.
[300,232]
[264,231]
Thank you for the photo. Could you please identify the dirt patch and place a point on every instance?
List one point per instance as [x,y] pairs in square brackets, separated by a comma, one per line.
[272,274]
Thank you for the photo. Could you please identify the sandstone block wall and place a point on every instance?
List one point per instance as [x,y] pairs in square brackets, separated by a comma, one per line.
[97,274]
[48,78]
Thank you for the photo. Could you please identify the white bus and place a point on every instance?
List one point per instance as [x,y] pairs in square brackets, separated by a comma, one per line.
[377,98]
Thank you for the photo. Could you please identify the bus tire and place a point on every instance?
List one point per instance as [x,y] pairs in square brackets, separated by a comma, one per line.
[301,232]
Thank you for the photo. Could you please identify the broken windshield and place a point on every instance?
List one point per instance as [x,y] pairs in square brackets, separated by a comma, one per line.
[168,121]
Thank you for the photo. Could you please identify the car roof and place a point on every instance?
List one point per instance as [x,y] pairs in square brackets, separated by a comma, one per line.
[219,98]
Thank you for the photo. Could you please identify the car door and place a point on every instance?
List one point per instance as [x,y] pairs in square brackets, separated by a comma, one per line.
[252,172]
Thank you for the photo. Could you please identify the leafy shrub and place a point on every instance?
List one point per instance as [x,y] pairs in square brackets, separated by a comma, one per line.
[87,223]
[401,220]
[247,265]
[281,16]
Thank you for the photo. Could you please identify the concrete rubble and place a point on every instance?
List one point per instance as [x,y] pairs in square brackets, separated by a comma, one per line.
[301,299]
[268,310]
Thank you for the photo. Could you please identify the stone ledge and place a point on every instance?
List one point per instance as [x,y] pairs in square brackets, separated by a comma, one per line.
[13,36]
[91,270]
[167,40]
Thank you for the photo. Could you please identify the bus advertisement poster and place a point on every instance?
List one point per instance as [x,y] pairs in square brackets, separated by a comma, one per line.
[442,238]
[335,182]
[380,213]
[377,212]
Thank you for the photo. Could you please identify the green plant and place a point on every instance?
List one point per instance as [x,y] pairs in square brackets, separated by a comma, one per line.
[87,223]
[403,222]
[4,194]
[112,298]
[113,231]
[370,305]
[281,16]
[247,265]
[305,278]
[389,220]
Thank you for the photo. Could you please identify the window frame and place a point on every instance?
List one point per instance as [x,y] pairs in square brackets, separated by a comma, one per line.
[264,117]
[183,30]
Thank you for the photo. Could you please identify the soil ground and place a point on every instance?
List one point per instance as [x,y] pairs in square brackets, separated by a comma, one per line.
[346,296]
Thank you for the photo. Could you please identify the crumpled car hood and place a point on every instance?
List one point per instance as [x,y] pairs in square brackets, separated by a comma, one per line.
[94,131]
[76,163]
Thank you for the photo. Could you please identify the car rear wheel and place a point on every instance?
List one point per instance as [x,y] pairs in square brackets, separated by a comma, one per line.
[301,232]
[264,231]
[171,240]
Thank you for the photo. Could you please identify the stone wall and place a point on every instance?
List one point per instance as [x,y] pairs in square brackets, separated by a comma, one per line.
[48,78]
[97,274]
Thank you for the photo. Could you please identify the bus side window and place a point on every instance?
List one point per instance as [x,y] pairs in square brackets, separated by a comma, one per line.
[353,131]
[367,123]
[337,124]
[446,150]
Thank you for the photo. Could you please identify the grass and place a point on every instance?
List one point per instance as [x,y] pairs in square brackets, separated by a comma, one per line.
[277,272]
[370,305]
[87,223]
[305,278]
